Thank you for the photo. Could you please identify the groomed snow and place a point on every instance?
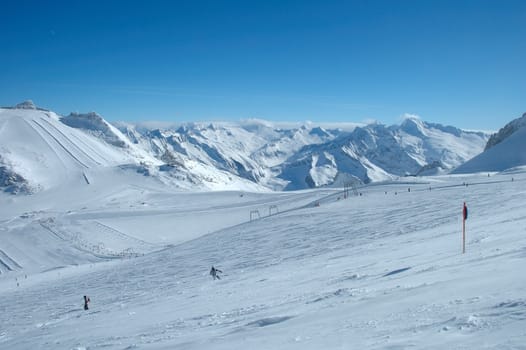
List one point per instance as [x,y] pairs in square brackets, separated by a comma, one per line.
[380,270]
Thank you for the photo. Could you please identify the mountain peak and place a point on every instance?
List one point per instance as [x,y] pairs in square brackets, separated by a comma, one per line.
[28,104]
[412,120]
[319,131]
[95,124]
[413,125]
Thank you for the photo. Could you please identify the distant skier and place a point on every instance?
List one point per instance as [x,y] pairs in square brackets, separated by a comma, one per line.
[213,273]
[86,301]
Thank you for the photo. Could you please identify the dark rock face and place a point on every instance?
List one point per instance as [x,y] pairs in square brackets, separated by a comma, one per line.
[26,105]
[506,131]
[12,182]
[94,124]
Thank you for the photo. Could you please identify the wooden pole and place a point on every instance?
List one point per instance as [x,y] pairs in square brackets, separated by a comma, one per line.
[463,235]
[464,217]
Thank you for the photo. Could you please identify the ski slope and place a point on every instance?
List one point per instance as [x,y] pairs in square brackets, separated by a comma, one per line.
[381,270]
[49,154]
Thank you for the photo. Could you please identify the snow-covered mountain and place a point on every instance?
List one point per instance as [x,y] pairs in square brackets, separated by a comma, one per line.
[311,156]
[376,152]
[250,150]
[37,151]
[505,149]
[40,149]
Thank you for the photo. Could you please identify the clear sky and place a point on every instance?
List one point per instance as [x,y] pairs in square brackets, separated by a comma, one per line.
[453,62]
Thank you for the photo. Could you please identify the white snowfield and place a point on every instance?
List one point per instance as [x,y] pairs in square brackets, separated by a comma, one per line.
[48,153]
[380,270]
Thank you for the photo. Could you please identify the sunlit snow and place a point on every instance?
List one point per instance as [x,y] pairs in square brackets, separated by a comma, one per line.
[376,266]
[382,269]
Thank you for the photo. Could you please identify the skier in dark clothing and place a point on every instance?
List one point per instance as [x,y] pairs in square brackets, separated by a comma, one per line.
[213,273]
[86,301]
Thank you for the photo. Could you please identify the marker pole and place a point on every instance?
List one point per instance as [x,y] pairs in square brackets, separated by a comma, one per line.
[464,217]
[463,236]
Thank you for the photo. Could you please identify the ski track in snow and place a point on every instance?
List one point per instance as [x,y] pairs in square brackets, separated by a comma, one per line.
[66,139]
[378,271]
[7,263]
[60,144]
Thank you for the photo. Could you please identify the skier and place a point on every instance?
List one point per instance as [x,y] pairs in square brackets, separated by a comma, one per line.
[213,273]
[86,301]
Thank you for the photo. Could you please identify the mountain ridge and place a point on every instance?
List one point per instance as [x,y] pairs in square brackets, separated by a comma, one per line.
[251,154]
[506,131]
[504,150]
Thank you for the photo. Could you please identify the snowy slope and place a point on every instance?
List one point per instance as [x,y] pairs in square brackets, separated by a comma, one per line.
[506,131]
[35,145]
[311,269]
[379,271]
[509,153]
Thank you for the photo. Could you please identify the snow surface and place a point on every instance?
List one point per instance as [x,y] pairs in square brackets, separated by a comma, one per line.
[380,270]
[48,153]
[509,153]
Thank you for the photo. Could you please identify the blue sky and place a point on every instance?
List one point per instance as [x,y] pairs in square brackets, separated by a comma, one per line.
[453,62]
